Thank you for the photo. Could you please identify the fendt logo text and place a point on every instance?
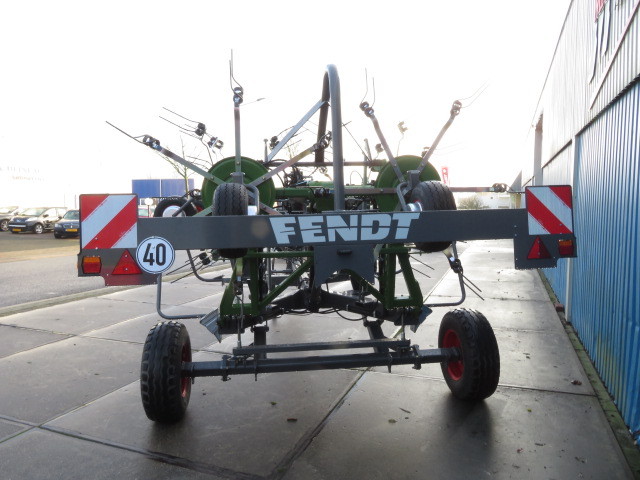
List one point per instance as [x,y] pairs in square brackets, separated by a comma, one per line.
[377,227]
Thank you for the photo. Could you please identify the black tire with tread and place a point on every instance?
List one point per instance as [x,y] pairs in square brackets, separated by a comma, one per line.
[231,199]
[165,203]
[480,355]
[432,195]
[165,393]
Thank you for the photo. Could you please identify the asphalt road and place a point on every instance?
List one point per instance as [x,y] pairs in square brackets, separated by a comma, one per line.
[34,268]
[37,267]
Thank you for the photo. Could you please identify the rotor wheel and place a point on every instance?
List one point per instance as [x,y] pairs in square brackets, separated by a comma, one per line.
[252,170]
[387,179]
[231,199]
[165,392]
[475,374]
[432,196]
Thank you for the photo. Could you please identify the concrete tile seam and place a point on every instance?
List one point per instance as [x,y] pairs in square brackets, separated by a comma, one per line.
[500,385]
[17,434]
[300,447]
[99,292]
[50,302]
[162,457]
[118,340]
[69,337]
[506,299]
[19,422]
[40,330]
[65,336]
[523,330]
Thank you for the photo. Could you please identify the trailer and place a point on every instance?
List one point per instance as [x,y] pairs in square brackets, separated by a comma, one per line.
[286,243]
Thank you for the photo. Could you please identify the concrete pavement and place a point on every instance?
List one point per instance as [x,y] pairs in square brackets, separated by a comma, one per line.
[70,402]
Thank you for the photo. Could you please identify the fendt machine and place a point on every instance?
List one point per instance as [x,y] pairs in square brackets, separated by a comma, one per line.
[287,236]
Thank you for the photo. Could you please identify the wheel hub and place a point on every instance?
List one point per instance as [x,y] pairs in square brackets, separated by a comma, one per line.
[454,367]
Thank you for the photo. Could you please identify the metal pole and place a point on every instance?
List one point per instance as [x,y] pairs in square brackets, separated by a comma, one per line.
[331,76]
[237,100]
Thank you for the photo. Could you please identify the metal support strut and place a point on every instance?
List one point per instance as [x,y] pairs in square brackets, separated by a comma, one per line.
[230,365]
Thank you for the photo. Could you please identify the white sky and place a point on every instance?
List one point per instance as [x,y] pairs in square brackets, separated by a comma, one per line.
[69,66]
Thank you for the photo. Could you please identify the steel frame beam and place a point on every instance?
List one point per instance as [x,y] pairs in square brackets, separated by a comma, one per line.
[241,365]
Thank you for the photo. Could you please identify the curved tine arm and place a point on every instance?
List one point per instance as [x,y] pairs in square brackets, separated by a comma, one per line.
[331,90]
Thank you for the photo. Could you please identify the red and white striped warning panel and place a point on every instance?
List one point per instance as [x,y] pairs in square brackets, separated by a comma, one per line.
[108,221]
[550,210]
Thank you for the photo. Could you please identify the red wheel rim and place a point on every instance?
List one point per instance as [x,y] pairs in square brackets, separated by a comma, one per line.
[184,381]
[455,368]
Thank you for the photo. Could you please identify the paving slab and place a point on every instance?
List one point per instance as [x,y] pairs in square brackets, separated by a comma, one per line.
[303,329]
[172,293]
[412,428]
[527,288]
[79,316]
[76,401]
[44,382]
[40,454]
[242,425]
[17,339]
[534,360]
[136,329]
[8,429]
[519,314]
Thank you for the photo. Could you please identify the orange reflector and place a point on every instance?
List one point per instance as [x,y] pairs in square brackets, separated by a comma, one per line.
[538,250]
[565,248]
[91,265]
[126,265]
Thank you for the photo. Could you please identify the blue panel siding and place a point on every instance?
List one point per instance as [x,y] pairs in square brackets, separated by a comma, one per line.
[146,188]
[174,187]
[559,172]
[605,287]
[156,188]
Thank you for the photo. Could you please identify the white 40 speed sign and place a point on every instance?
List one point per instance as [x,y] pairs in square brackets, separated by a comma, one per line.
[155,255]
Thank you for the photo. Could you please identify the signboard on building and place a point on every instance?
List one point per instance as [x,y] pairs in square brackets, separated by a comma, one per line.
[160,187]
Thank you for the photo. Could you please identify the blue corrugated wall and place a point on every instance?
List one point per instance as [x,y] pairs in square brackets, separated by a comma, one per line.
[159,187]
[605,282]
[559,172]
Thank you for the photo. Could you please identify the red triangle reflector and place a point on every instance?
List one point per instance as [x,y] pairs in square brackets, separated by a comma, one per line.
[538,250]
[126,265]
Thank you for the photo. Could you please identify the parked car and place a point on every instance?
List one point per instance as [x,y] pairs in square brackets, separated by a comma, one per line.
[5,215]
[145,211]
[36,219]
[68,226]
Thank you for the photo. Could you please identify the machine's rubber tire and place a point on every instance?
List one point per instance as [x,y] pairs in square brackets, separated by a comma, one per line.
[4,225]
[168,206]
[475,376]
[432,196]
[387,178]
[231,199]
[38,228]
[253,171]
[165,392]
